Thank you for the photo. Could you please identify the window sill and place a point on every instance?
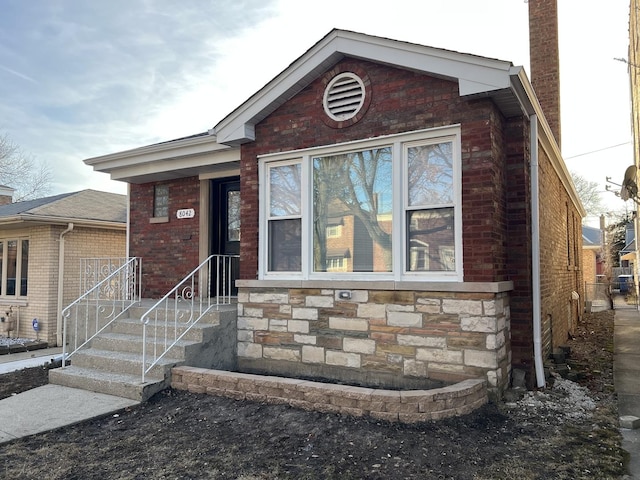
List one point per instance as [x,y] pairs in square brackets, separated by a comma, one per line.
[159,220]
[470,287]
[12,302]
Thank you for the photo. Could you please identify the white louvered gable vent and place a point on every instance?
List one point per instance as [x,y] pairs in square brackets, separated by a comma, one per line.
[344,96]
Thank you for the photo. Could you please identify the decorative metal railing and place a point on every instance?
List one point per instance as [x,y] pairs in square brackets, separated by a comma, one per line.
[100,306]
[209,285]
[95,270]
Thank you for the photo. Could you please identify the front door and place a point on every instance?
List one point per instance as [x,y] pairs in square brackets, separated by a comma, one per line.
[225,233]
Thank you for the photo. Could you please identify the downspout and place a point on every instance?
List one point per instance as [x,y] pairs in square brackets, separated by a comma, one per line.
[535,254]
[61,282]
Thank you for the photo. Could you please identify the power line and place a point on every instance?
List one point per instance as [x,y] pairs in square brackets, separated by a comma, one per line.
[596,151]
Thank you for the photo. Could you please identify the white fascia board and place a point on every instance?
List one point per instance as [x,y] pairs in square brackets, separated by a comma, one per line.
[153,153]
[201,162]
[35,220]
[529,101]
[475,75]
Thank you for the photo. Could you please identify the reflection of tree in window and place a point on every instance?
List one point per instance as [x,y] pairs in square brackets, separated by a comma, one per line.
[430,174]
[431,240]
[285,218]
[285,190]
[356,184]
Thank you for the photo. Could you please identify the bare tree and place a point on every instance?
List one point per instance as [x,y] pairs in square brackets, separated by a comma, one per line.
[589,194]
[30,178]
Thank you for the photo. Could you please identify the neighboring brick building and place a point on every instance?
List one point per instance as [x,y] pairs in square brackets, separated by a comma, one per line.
[443,171]
[42,241]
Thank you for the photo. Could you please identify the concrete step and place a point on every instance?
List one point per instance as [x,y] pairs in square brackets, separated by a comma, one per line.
[211,316]
[121,342]
[121,362]
[112,364]
[118,384]
[197,332]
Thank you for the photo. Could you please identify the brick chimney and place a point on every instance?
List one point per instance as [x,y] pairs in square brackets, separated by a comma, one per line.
[545,59]
[6,195]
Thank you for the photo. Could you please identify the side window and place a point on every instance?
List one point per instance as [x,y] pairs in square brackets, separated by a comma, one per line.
[161,201]
[430,208]
[284,217]
[14,265]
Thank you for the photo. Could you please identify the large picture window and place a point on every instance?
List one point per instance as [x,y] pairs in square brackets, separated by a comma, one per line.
[380,208]
[14,265]
[354,190]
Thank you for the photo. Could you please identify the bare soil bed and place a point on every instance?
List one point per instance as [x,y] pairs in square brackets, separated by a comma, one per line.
[568,431]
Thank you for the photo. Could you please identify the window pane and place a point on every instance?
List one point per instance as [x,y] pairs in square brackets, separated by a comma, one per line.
[285,190]
[430,240]
[233,216]
[430,174]
[353,190]
[12,257]
[24,267]
[285,245]
[161,201]
[1,260]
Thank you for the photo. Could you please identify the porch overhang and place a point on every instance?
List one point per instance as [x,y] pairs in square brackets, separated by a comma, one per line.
[197,155]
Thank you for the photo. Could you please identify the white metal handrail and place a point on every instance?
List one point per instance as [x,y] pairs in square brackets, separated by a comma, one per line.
[94,270]
[169,320]
[100,306]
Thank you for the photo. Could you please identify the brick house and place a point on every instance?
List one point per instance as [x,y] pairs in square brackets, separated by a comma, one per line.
[593,262]
[464,251]
[42,243]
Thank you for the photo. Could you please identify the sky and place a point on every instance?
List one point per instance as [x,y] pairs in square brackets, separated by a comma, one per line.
[82,79]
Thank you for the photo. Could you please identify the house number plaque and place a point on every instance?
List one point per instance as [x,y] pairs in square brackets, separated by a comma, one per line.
[186,213]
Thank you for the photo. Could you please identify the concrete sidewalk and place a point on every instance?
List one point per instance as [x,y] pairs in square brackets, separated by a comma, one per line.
[50,406]
[626,376]
[34,358]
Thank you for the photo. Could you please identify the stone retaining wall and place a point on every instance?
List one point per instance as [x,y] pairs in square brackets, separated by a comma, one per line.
[402,338]
[406,406]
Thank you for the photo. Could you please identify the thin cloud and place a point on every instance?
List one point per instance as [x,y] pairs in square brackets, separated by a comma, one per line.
[18,74]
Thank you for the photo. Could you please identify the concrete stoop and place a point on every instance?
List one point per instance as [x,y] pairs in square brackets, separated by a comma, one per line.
[112,363]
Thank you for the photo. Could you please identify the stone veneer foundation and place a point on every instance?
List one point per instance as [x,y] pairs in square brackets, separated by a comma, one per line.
[376,334]
[391,405]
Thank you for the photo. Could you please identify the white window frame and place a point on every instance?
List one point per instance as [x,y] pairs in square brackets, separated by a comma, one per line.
[4,257]
[398,144]
[266,217]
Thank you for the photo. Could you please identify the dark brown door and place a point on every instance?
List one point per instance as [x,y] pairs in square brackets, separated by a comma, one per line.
[225,233]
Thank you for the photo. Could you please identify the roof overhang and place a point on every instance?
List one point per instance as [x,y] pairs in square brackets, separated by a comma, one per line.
[628,256]
[475,76]
[192,156]
[26,220]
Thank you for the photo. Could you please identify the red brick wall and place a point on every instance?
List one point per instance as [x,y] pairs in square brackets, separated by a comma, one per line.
[401,101]
[169,250]
[519,267]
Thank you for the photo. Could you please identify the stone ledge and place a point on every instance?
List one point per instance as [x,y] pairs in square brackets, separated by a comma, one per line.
[442,286]
[408,406]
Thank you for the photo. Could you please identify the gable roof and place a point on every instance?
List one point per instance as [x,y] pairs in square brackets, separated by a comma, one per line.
[475,75]
[86,207]
[591,237]
[218,152]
